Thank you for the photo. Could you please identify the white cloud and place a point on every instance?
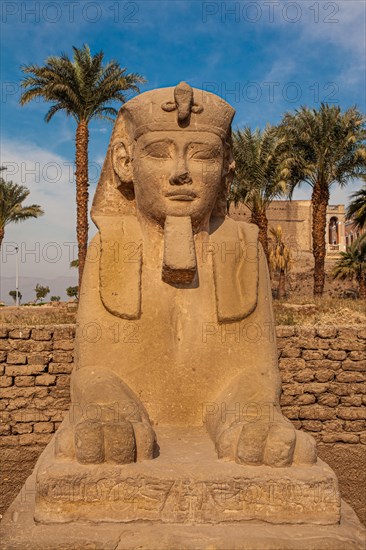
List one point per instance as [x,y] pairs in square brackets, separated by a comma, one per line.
[42,242]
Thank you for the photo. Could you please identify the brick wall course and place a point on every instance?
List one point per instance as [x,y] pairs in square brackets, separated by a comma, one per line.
[323,372]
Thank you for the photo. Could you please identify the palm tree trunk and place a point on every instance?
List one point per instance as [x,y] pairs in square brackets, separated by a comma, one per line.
[282,285]
[82,195]
[259,217]
[362,287]
[2,233]
[320,199]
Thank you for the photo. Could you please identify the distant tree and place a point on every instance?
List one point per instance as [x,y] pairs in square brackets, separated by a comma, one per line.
[41,292]
[352,265]
[356,210]
[55,298]
[72,291]
[12,196]
[13,294]
[279,259]
[322,148]
[258,176]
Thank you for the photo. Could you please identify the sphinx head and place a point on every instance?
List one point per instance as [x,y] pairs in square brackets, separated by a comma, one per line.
[171,154]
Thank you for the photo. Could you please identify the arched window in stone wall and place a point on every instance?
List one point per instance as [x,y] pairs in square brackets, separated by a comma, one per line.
[333,233]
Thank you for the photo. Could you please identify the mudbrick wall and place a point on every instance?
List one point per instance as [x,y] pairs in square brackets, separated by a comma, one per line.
[323,373]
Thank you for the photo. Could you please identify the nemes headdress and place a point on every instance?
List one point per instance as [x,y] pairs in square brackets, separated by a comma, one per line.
[169,109]
[165,109]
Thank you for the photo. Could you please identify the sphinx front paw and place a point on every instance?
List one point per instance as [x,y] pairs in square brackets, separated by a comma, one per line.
[275,443]
[95,442]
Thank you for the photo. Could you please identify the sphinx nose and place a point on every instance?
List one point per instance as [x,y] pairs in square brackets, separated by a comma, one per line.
[180,178]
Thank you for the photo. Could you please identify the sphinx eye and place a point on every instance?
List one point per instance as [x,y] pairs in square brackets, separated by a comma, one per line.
[204,152]
[158,150]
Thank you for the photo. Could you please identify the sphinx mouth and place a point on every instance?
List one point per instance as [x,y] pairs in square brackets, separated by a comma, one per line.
[180,195]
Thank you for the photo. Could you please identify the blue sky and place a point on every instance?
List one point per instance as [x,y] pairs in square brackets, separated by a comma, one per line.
[263,56]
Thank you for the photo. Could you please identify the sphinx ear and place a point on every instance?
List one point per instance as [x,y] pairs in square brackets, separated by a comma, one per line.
[122,164]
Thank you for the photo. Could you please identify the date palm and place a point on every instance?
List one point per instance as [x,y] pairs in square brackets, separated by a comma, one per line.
[357,208]
[323,147]
[83,88]
[12,210]
[352,265]
[258,176]
[279,258]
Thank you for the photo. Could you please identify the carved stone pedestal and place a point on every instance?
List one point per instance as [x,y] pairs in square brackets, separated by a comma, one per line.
[187,483]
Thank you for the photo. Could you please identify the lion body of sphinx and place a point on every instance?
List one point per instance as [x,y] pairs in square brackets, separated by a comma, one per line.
[177,358]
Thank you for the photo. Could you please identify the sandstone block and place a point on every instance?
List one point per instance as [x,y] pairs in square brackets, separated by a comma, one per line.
[328,400]
[340,437]
[4,332]
[324,375]
[312,354]
[326,331]
[64,333]
[24,380]
[348,332]
[16,358]
[64,345]
[317,412]
[41,358]
[285,332]
[362,333]
[352,413]
[306,399]
[6,381]
[2,356]
[292,364]
[34,439]
[357,355]
[24,370]
[312,425]
[62,357]
[336,355]
[352,400]
[41,334]
[350,377]
[22,428]
[333,425]
[354,365]
[291,351]
[348,345]
[20,333]
[44,427]
[60,368]
[305,375]
[355,425]
[316,387]
[292,413]
[45,380]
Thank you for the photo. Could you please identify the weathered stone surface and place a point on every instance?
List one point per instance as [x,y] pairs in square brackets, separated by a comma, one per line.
[175,328]
[19,531]
[185,484]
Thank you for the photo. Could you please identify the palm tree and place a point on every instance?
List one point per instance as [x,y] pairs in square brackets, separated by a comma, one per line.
[279,259]
[322,148]
[258,176]
[352,265]
[12,196]
[357,208]
[83,88]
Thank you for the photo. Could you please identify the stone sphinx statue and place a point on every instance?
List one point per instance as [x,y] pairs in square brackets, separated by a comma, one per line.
[175,437]
[175,319]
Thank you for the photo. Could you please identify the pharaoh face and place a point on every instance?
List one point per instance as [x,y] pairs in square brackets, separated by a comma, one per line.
[177,173]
